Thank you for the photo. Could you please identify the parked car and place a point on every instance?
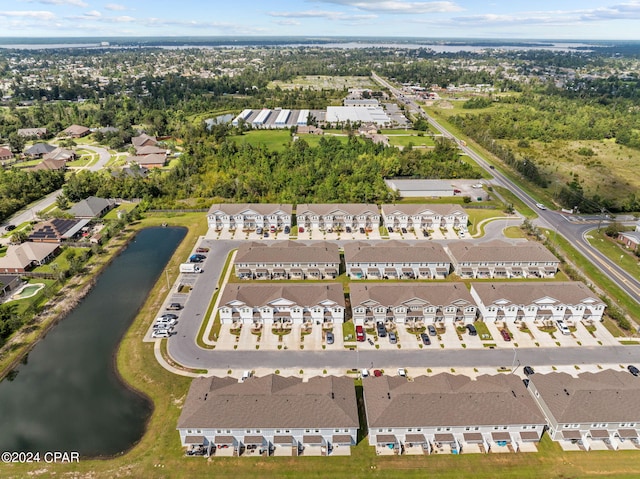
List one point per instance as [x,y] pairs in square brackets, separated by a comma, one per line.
[169,316]
[165,321]
[404,230]
[528,370]
[390,229]
[364,373]
[287,230]
[393,339]
[562,327]
[161,333]
[633,370]
[199,256]
[381,330]
[265,234]
[272,229]
[505,335]
[195,259]
[461,234]
[432,330]
[174,307]
[202,249]
[245,375]
[161,326]
[10,227]
[259,231]
[425,233]
[361,230]
[348,229]
[359,333]
[425,339]
[301,230]
[377,373]
[330,337]
[472,330]
[402,372]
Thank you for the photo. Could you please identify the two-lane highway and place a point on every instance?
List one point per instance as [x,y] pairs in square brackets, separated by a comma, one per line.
[574,233]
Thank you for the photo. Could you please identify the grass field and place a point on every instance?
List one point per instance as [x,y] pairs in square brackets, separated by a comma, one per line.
[274,140]
[514,232]
[415,140]
[313,140]
[322,82]
[615,252]
[113,214]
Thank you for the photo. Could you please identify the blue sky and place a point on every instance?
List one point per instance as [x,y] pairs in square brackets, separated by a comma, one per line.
[543,19]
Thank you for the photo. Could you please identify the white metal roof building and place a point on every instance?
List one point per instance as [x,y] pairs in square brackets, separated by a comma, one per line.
[337,114]
[242,116]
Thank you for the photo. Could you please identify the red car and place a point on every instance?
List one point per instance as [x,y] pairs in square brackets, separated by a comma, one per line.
[377,373]
[202,250]
[505,335]
[359,333]
[301,230]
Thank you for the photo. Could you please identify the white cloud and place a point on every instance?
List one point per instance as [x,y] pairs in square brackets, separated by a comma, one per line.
[330,15]
[397,6]
[287,22]
[115,7]
[76,3]
[39,14]
[93,14]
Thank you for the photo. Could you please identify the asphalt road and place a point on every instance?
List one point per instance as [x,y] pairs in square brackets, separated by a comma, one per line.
[572,231]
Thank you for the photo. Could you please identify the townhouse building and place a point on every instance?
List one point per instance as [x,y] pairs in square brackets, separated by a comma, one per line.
[424,216]
[249,216]
[338,217]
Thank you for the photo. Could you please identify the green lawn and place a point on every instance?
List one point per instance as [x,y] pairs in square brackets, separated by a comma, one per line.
[405,140]
[517,203]
[313,140]
[113,214]
[615,252]
[514,232]
[274,140]
[61,263]
[477,215]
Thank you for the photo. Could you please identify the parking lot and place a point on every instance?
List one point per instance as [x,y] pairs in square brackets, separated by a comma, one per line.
[273,339]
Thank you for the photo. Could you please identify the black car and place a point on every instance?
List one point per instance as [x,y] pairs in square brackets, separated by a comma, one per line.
[633,370]
[382,331]
[528,370]
[361,230]
[348,229]
[472,330]
[10,227]
[425,233]
[169,316]
[404,230]
[390,229]
[425,339]
[287,230]
[174,307]
[432,330]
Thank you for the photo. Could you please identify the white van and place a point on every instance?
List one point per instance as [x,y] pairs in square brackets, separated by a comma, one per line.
[562,327]
[161,333]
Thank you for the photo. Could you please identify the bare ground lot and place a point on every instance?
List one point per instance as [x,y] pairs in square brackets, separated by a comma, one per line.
[319,82]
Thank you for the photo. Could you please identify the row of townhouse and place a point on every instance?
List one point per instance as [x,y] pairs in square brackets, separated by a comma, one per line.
[393,260]
[401,303]
[336,216]
[266,304]
[444,413]
[287,260]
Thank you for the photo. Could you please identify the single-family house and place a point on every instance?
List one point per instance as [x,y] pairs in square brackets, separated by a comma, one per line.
[416,304]
[283,304]
[249,216]
[92,207]
[5,154]
[328,217]
[500,259]
[143,140]
[57,230]
[60,154]
[424,216]
[593,411]
[287,260]
[631,239]
[131,172]
[23,257]
[50,165]
[451,414]
[75,131]
[32,132]
[396,260]
[309,130]
[270,416]
[9,283]
[38,150]
[148,161]
[150,150]
[570,301]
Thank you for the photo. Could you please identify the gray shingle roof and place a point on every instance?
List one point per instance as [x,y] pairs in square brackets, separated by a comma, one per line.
[270,402]
[394,252]
[607,396]
[91,207]
[39,149]
[501,251]
[299,293]
[394,294]
[524,293]
[287,252]
[448,400]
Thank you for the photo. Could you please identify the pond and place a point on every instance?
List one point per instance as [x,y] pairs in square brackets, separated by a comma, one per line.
[68,397]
